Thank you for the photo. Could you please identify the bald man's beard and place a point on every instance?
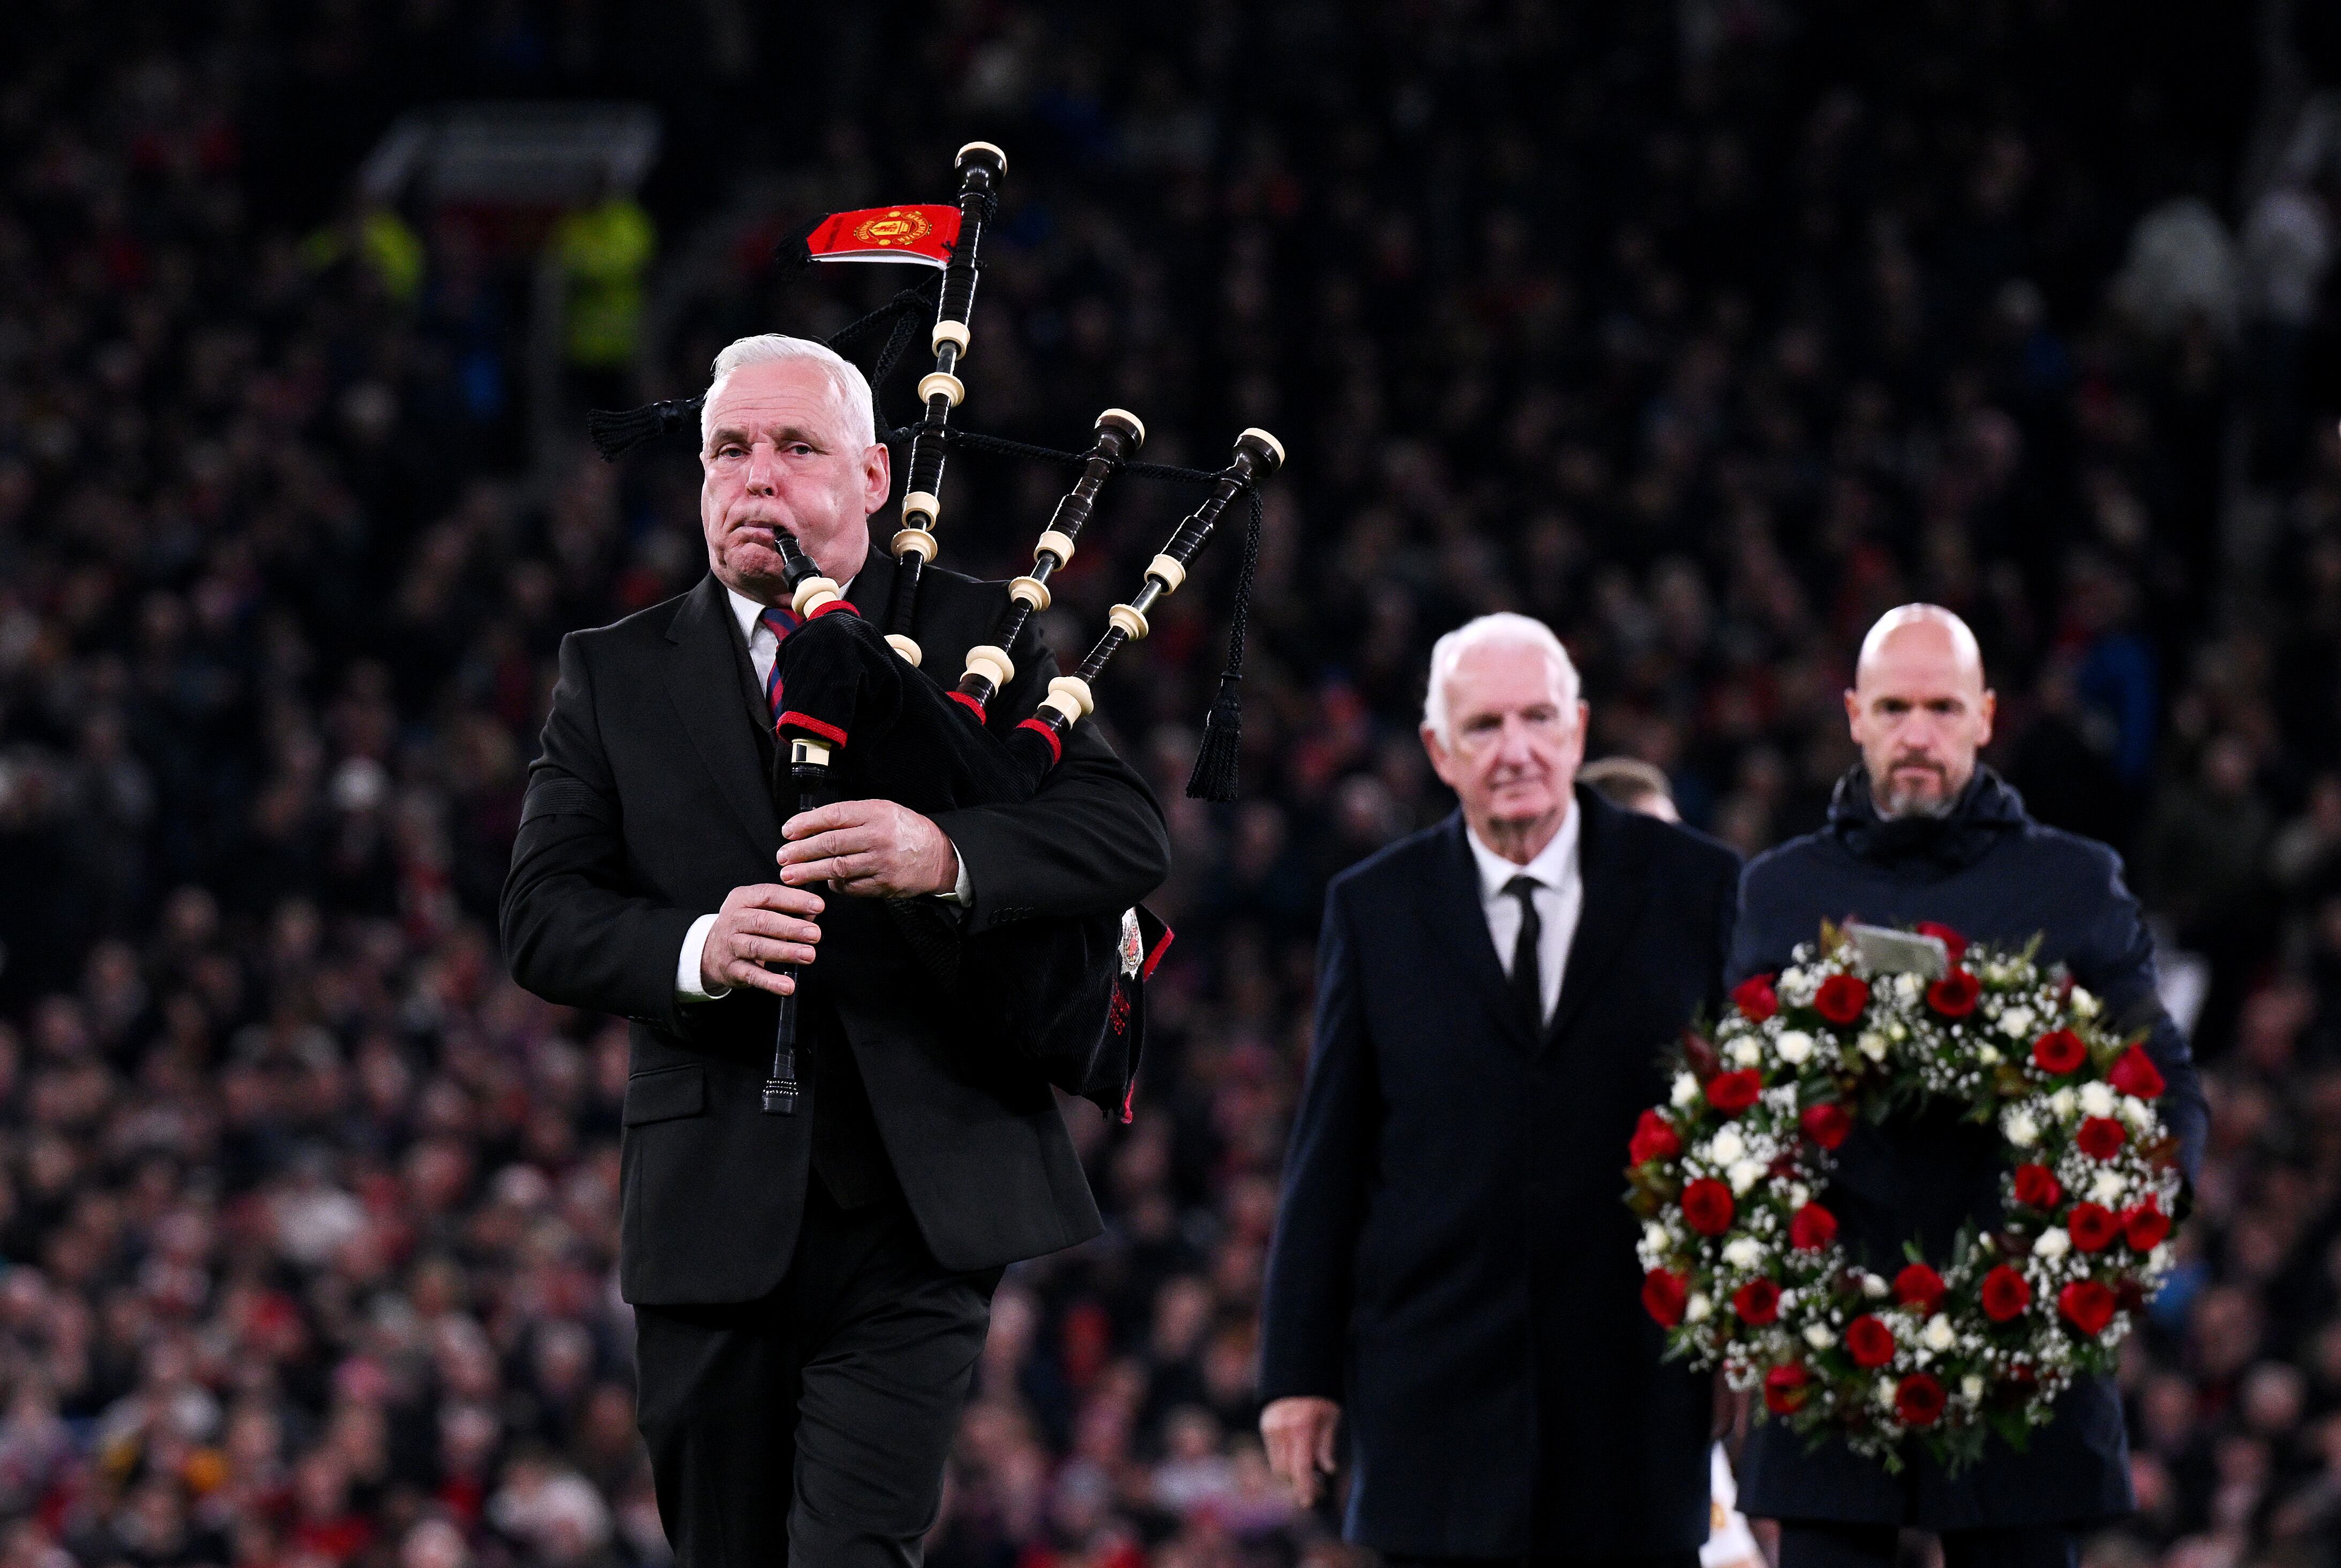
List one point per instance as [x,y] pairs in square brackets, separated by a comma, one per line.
[1900,797]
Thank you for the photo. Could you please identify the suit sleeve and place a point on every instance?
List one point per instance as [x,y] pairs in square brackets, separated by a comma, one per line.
[1090,841]
[1746,929]
[573,932]
[2116,961]
[1306,1305]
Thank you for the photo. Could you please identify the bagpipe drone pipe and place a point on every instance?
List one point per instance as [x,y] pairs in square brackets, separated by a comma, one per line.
[862,719]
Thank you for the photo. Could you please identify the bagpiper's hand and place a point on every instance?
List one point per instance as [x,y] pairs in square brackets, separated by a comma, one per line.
[869,848]
[761,925]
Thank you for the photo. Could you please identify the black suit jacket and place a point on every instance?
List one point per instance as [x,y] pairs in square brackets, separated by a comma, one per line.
[1453,1259]
[650,802]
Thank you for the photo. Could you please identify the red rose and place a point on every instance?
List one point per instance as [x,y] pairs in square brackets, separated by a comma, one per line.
[1841,999]
[1827,1125]
[2092,1227]
[1811,1228]
[1953,943]
[1921,1287]
[1786,1388]
[1919,1400]
[1954,996]
[2144,1225]
[2088,1304]
[2101,1137]
[2005,1293]
[1755,999]
[1707,1206]
[2059,1052]
[1663,1296]
[1869,1342]
[2036,1187]
[2133,1073]
[1732,1093]
[1654,1139]
[1757,1303]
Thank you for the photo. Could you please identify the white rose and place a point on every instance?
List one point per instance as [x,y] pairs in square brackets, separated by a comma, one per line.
[1988,1055]
[1795,1045]
[1744,1251]
[1886,1391]
[2053,1243]
[1875,1288]
[2137,1112]
[1896,1031]
[1744,1175]
[1938,1334]
[1655,1237]
[2064,1102]
[2021,1129]
[1819,1335]
[1799,1195]
[1695,1309]
[1872,1045]
[1725,1147]
[1685,1092]
[2017,1023]
[2158,1260]
[1905,985]
[2097,1099]
[1972,1386]
[1747,1050]
[2106,1189]
[2083,1004]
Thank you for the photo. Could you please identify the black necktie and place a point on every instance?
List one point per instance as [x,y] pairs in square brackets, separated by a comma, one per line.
[1528,985]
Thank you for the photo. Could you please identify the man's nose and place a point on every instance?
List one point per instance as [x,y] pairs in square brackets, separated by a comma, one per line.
[763,470]
[1512,741]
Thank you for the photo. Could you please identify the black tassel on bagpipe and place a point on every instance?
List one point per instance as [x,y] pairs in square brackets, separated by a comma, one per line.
[616,434]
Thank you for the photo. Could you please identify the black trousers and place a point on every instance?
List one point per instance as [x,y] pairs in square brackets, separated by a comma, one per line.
[811,1427]
[1810,1543]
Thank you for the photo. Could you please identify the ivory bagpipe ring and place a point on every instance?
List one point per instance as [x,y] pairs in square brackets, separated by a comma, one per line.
[905,647]
[1131,621]
[923,503]
[1137,426]
[986,147]
[812,594]
[992,663]
[951,332]
[1069,695]
[1029,592]
[1056,543]
[1167,571]
[1273,444]
[941,382]
[915,542]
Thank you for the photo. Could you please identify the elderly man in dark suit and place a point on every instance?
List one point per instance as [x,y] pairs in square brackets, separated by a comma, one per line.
[811,1290]
[1453,1277]
[1917,831]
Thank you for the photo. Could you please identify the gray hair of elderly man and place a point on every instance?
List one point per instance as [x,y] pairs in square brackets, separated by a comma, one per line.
[767,348]
[1501,630]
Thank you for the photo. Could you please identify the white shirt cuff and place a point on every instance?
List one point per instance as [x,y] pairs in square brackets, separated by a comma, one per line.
[688,986]
[963,890]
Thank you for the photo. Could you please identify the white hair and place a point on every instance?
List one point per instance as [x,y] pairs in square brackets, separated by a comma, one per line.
[1501,630]
[768,347]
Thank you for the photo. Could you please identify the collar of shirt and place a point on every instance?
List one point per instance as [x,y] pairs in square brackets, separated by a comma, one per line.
[745,609]
[1554,865]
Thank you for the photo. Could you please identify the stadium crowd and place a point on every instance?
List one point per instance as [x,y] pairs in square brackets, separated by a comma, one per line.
[1703,332]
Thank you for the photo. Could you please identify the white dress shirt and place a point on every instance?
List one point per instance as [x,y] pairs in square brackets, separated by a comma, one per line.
[763,648]
[1560,899]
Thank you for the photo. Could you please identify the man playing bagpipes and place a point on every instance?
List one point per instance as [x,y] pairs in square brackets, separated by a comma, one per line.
[812,1288]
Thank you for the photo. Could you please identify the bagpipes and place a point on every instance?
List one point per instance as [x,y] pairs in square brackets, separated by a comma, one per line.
[862,719]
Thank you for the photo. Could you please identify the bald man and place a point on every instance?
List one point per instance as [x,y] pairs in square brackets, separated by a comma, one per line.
[1918,830]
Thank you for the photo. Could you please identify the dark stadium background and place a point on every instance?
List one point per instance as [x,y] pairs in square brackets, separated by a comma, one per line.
[1705,330]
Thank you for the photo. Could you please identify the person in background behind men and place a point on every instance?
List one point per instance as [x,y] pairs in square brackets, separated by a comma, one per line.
[1632,785]
[1452,1271]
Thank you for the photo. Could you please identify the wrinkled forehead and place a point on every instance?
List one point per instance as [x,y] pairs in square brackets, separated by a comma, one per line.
[796,396]
[1494,677]
[1920,662]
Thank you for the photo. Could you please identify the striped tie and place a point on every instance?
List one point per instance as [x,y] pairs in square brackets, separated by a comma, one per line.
[782,621]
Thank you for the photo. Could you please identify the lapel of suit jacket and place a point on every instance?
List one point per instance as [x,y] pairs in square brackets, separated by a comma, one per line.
[1450,909]
[1613,901]
[702,682]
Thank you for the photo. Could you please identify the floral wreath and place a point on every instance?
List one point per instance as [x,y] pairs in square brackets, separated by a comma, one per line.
[1743,1267]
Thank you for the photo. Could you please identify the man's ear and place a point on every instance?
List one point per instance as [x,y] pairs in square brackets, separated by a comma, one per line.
[1437,753]
[1990,710]
[877,476]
